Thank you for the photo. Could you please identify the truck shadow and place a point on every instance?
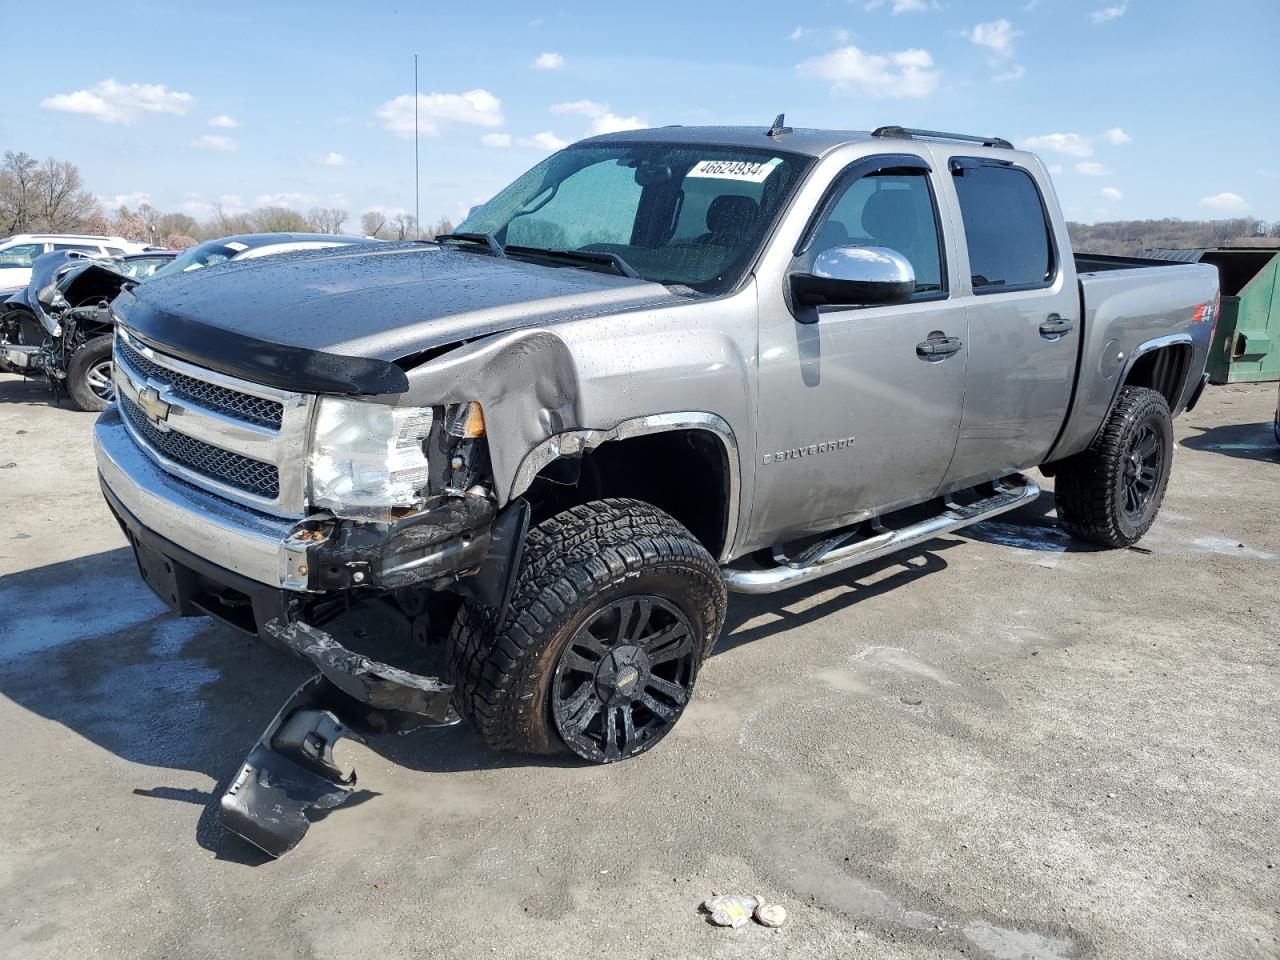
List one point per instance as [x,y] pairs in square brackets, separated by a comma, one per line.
[1246,441]
[33,391]
[83,643]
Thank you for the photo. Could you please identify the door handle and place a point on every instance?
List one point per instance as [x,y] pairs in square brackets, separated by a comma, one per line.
[938,347]
[1056,327]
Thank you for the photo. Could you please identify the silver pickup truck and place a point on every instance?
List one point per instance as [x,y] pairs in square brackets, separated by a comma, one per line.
[660,366]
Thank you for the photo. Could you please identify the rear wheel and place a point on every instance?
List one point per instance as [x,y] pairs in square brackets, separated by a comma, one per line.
[1111,493]
[89,382]
[615,607]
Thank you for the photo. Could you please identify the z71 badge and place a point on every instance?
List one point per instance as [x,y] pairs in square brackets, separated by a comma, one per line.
[811,450]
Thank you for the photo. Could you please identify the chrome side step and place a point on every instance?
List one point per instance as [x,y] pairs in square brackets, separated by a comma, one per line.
[1010,493]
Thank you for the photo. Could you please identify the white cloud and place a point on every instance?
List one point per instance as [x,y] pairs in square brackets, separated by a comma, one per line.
[1111,193]
[135,199]
[549,61]
[1055,169]
[301,201]
[904,73]
[475,107]
[1225,202]
[224,121]
[902,6]
[997,36]
[496,139]
[836,33]
[213,141]
[199,207]
[1091,168]
[546,140]
[603,120]
[1015,72]
[1072,144]
[1117,137]
[332,159]
[1109,13]
[112,102]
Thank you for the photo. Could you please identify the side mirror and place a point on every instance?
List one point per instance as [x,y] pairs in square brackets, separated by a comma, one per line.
[855,276]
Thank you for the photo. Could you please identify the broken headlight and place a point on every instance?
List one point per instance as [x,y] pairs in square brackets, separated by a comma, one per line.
[367,459]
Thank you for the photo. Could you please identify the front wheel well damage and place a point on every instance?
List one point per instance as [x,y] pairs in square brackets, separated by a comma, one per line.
[684,473]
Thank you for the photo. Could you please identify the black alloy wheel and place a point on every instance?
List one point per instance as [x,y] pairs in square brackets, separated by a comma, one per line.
[624,678]
[1142,471]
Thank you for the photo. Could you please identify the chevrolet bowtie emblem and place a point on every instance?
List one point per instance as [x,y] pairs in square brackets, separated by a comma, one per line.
[157,410]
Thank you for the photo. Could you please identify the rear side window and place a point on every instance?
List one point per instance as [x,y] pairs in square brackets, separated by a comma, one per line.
[1005,227]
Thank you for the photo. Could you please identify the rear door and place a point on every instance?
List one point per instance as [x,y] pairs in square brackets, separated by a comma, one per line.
[1023,320]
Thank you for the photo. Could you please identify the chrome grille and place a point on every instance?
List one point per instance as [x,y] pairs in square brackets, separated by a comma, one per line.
[253,476]
[242,406]
[243,441]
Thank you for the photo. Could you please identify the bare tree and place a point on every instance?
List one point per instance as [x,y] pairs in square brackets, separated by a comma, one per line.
[327,219]
[224,224]
[63,205]
[17,191]
[443,225]
[278,220]
[373,223]
[406,226]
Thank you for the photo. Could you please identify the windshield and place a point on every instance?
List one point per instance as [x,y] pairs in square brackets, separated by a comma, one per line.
[678,214]
[202,255]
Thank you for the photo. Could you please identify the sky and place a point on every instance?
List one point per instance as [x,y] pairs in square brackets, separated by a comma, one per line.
[1143,108]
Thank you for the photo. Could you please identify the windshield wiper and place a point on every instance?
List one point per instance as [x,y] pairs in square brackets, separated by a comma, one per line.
[585,256]
[488,239]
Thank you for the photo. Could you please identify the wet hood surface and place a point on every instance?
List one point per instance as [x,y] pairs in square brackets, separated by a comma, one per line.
[316,310]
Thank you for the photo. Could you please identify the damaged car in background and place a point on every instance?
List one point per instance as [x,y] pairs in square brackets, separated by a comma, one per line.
[60,325]
[660,366]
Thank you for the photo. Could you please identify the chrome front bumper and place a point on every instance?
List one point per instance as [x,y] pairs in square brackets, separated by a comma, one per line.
[235,538]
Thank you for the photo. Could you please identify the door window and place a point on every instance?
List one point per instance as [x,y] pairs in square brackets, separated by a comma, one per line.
[889,208]
[86,248]
[1005,227]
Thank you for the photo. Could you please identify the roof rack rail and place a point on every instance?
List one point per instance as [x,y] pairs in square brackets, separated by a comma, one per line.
[910,132]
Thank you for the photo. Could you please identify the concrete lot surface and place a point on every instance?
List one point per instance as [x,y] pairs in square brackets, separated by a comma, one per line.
[1006,745]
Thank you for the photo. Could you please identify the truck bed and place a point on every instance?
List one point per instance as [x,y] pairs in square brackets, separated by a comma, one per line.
[1125,305]
[1098,263]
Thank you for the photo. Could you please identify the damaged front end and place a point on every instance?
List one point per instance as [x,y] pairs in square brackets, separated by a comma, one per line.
[291,774]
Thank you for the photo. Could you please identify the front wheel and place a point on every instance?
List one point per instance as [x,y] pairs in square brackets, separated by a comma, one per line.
[615,607]
[89,382]
[1111,493]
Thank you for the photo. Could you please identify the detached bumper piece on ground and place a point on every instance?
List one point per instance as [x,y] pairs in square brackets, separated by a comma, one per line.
[290,776]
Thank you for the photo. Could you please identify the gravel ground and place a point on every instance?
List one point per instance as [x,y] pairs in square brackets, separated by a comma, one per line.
[1006,745]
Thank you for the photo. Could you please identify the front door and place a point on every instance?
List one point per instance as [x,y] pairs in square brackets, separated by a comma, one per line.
[859,412]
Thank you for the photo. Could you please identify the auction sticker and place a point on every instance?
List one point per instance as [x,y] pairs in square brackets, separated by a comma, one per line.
[746,171]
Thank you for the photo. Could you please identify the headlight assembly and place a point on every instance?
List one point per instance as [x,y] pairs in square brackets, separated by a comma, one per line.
[367,459]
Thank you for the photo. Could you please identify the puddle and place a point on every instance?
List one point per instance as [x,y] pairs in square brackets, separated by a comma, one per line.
[1049,538]
[1004,943]
[1228,547]
[881,659]
[38,618]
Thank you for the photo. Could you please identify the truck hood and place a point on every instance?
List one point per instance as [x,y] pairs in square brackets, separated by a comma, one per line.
[337,320]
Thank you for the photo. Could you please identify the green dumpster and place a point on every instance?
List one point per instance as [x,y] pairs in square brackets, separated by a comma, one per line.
[1246,347]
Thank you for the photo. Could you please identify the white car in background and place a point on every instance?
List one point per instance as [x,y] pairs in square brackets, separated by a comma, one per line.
[247,246]
[19,251]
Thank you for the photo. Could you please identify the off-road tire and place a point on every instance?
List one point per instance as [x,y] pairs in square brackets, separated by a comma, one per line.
[90,355]
[1090,487]
[574,564]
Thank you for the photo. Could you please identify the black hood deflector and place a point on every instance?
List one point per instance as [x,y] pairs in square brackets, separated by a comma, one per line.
[337,321]
[272,364]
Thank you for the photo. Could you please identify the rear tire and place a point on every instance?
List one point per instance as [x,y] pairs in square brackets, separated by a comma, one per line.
[1111,493]
[89,375]
[614,609]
